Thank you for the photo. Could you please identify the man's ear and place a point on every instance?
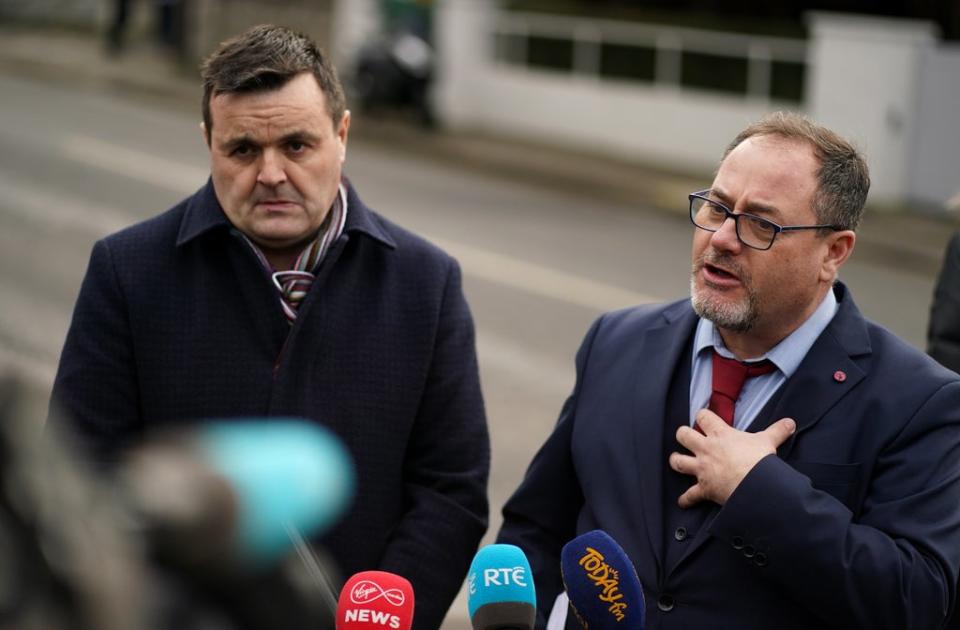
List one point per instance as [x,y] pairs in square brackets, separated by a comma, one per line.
[839,247]
[343,132]
[205,133]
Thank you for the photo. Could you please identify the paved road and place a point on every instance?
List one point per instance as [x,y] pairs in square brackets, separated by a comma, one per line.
[539,264]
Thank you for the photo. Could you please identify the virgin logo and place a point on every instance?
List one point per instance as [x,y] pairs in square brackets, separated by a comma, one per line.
[365,591]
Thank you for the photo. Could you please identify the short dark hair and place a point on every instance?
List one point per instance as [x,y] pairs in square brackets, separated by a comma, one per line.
[843,179]
[265,57]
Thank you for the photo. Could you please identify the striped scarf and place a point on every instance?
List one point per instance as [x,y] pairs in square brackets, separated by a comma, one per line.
[294,284]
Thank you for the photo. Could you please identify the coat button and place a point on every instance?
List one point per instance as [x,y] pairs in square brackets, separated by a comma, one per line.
[737,542]
[680,533]
[749,551]
[665,603]
[760,559]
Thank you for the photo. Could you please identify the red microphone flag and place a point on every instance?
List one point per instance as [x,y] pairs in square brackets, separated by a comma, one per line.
[374,600]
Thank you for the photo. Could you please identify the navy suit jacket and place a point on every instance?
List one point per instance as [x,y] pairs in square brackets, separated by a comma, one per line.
[854,523]
[178,321]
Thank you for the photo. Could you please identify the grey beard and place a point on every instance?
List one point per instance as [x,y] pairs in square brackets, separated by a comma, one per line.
[739,317]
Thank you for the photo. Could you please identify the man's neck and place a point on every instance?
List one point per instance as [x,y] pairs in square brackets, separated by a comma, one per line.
[282,259]
[759,340]
[750,345]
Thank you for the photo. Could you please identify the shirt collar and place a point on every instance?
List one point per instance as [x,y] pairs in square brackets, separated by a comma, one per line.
[786,355]
[204,214]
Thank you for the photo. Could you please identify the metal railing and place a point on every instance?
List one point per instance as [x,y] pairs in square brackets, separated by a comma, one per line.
[758,67]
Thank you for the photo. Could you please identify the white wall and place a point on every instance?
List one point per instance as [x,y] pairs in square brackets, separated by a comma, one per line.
[648,123]
[652,122]
[934,166]
[464,60]
[354,23]
[864,84]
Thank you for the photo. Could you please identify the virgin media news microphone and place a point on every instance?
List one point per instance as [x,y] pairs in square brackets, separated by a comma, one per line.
[602,584]
[373,600]
[500,592]
[244,490]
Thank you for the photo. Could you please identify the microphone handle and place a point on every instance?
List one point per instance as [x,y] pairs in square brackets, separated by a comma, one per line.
[327,590]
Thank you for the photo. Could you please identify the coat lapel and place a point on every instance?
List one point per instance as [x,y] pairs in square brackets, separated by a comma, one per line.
[660,350]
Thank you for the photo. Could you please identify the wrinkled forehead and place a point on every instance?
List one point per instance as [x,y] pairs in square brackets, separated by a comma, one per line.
[300,92]
[298,102]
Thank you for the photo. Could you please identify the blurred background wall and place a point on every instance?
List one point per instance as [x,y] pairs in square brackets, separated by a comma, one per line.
[665,83]
[671,94]
[64,13]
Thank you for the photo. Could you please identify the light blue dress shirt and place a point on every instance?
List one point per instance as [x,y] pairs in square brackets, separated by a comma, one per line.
[757,391]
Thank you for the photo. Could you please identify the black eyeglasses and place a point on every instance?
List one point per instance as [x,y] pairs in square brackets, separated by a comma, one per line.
[753,231]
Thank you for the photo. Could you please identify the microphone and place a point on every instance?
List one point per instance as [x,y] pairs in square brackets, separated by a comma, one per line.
[500,590]
[602,584]
[244,492]
[375,600]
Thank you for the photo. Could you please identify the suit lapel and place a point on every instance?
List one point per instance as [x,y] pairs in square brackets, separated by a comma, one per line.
[828,373]
[661,348]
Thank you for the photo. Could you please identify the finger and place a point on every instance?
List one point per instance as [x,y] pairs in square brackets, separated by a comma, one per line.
[710,423]
[689,438]
[684,464]
[780,431]
[691,497]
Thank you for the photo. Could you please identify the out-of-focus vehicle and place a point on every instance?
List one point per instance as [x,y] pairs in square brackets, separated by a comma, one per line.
[395,73]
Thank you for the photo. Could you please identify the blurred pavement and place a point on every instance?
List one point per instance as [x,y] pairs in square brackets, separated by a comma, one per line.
[895,237]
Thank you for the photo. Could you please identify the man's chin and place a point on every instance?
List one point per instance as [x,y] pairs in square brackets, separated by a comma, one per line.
[736,315]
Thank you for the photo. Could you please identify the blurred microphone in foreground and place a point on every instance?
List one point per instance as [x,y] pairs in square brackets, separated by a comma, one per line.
[199,530]
[65,559]
[374,600]
[501,594]
[229,506]
[238,491]
[602,583]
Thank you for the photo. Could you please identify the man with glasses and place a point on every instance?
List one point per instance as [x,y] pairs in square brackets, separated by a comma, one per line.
[766,456]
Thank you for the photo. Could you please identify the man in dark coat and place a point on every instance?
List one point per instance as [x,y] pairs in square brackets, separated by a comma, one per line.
[274,291]
[943,333]
[822,488]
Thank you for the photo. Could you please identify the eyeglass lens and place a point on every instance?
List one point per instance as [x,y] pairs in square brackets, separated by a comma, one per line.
[753,231]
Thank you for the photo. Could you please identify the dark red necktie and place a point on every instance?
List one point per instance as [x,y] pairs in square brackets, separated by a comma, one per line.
[729,375]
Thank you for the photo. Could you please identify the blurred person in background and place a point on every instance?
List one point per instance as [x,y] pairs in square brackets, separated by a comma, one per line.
[943,333]
[169,25]
[767,457]
[274,291]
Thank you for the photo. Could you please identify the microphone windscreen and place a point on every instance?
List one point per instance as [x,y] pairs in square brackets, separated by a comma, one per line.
[602,584]
[287,476]
[500,590]
[375,600]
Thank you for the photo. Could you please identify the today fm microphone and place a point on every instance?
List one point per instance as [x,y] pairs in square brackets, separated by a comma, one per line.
[234,492]
[373,600]
[602,584]
[500,591]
